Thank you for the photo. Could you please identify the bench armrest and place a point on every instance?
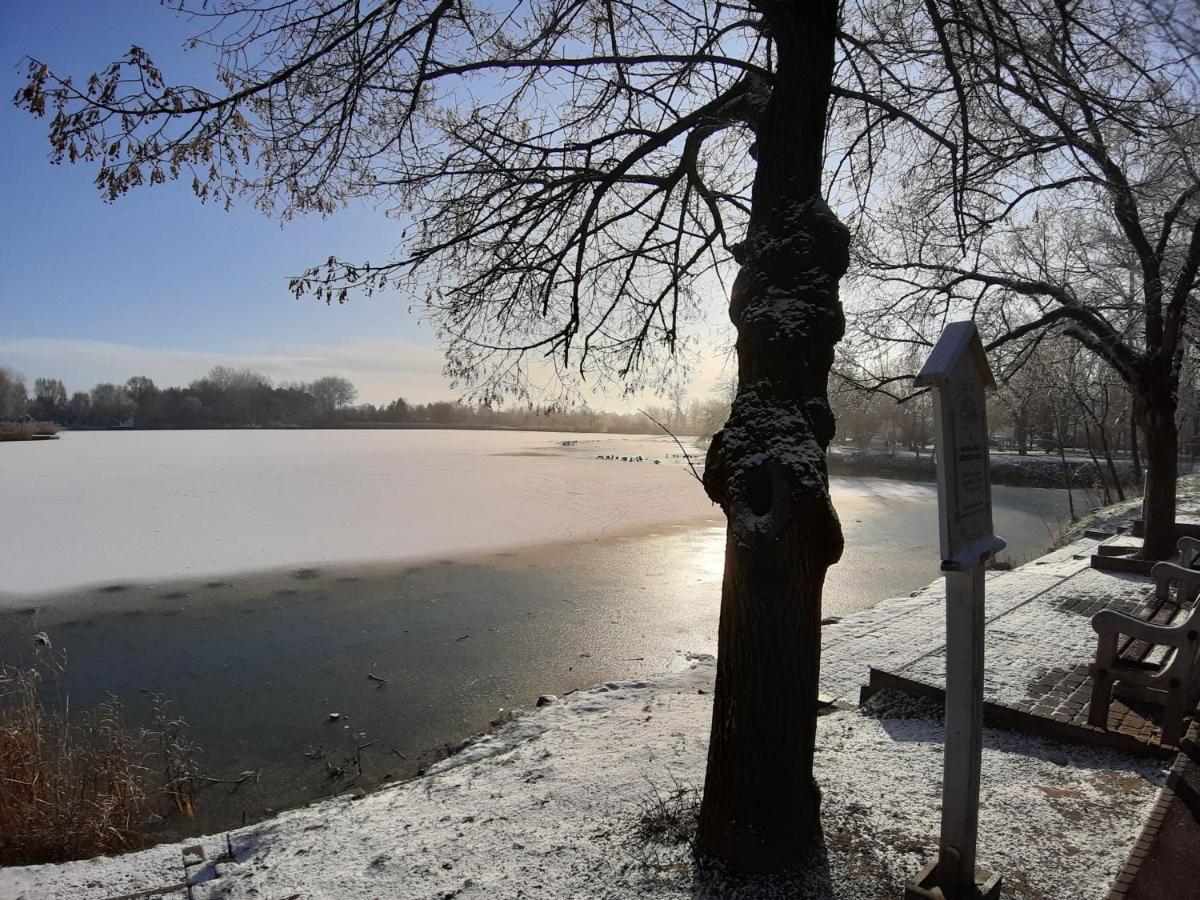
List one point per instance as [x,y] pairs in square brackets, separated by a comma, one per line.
[1189,551]
[1165,572]
[1109,621]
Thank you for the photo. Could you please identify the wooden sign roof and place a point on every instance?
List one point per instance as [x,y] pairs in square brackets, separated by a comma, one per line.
[959,339]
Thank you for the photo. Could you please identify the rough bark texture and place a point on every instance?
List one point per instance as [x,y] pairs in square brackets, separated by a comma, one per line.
[767,469]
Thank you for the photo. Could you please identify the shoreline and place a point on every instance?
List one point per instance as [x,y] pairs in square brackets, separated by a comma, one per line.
[256,661]
[548,803]
[417,657]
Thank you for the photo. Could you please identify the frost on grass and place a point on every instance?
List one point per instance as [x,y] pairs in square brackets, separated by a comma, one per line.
[549,811]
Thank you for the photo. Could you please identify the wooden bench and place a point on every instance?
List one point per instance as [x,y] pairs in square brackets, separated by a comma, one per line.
[1156,657]
[1189,552]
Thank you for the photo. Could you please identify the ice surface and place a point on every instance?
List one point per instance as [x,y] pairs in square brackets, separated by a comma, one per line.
[103,507]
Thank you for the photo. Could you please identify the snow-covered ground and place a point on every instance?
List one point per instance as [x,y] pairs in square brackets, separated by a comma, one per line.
[547,808]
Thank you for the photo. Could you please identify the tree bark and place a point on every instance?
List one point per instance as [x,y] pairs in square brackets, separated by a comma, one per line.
[1112,464]
[767,469]
[1157,409]
[1087,436]
[1135,456]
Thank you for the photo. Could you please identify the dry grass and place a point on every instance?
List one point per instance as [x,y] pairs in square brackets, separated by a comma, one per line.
[25,431]
[663,823]
[74,786]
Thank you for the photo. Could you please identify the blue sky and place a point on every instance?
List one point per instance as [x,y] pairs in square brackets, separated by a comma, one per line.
[160,285]
[157,283]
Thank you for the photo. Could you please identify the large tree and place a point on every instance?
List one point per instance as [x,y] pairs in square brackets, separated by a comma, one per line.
[332,392]
[14,397]
[49,398]
[1081,212]
[572,170]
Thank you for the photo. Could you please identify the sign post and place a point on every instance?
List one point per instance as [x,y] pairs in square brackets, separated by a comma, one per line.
[958,372]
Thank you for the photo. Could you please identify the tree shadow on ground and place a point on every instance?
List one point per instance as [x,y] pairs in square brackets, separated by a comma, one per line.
[909,719]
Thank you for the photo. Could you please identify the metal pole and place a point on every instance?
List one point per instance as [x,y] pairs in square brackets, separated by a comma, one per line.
[964,731]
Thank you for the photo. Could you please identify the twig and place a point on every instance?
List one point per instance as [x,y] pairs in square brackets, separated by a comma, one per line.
[682,449]
[382,681]
[245,777]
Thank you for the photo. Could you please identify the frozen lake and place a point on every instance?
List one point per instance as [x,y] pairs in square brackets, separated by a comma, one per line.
[96,507]
[259,578]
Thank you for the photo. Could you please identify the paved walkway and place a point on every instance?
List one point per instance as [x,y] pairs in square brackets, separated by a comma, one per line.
[1038,648]
[901,631]
[1039,643]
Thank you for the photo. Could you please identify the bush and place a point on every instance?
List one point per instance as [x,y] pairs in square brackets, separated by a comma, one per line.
[85,785]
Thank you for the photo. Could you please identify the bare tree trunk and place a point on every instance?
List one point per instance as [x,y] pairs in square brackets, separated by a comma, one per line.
[767,469]
[1135,457]
[1102,428]
[1068,474]
[1087,436]
[1162,460]
[1112,465]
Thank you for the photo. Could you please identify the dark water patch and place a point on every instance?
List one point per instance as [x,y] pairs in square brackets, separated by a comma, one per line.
[213,585]
[257,692]
[114,588]
[174,595]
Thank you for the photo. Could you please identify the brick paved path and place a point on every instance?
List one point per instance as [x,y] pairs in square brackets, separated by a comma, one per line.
[1038,647]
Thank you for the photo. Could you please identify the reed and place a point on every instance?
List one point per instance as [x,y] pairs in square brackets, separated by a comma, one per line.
[85,784]
[26,431]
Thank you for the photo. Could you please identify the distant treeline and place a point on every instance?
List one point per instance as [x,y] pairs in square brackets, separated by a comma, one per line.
[240,398]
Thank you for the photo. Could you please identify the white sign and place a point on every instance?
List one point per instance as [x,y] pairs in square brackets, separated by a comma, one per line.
[958,372]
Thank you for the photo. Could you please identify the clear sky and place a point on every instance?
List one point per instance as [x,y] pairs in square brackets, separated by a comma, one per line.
[158,284]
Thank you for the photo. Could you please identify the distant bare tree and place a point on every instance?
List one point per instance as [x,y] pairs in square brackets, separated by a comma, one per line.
[49,399]
[332,392]
[14,397]
[151,406]
[111,404]
[80,408]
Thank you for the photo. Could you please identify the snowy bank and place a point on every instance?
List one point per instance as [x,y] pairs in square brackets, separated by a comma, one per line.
[547,807]
[1119,515]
